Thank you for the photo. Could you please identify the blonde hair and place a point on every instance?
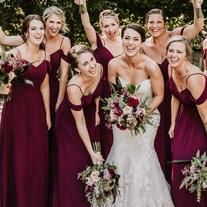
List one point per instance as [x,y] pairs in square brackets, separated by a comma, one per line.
[108,13]
[186,42]
[75,52]
[59,12]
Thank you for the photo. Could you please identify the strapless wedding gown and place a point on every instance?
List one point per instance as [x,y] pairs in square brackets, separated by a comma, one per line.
[142,182]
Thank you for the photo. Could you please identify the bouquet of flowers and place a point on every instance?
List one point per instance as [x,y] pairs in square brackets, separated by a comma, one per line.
[101,182]
[126,111]
[195,175]
[11,67]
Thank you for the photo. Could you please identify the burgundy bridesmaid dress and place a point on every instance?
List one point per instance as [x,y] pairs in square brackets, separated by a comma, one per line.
[162,140]
[72,156]
[24,143]
[55,60]
[103,56]
[189,136]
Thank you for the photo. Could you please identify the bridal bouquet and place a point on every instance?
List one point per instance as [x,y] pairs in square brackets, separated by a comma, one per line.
[126,111]
[101,183]
[195,175]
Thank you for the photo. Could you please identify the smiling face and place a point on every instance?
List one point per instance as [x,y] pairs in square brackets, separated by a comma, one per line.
[53,25]
[110,27]
[87,64]
[155,24]
[176,54]
[35,32]
[131,41]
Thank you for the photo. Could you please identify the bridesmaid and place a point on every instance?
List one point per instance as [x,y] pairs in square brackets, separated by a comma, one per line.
[155,47]
[58,46]
[188,129]
[105,47]
[76,119]
[25,124]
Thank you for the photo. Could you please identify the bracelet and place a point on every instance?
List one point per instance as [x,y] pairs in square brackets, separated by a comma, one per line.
[199,13]
[82,9]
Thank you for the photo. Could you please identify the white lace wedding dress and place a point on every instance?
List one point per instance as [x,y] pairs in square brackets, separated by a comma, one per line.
[142,183]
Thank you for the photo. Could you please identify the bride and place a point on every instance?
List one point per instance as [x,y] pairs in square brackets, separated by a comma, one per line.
[142,183]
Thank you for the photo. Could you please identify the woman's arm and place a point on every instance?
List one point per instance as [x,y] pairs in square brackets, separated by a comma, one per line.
[89,29]
[97,118]
[44,88]
[174,110]
[10,40]
[112,66]
[192,30]
[64,71]
[157,83]
[196,85]
[74,96]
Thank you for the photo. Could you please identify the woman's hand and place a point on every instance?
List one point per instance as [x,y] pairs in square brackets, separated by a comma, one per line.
[171,131]
[197,3]
[97,119]
[79,2]
[96,158]
[49,124]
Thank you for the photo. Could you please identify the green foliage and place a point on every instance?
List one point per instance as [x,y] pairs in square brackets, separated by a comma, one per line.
[179,12]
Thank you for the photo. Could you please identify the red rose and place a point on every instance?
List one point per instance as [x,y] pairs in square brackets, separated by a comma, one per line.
[7,67]
[133,102]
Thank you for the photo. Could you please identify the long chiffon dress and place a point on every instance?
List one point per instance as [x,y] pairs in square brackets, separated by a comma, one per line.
[189,136]
[162,140]
[72,156]
[55,60]
[24,143]
[103,56]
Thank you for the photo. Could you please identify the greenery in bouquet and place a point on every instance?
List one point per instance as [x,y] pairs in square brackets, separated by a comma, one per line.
[101,183]
[195,175]
[124,110]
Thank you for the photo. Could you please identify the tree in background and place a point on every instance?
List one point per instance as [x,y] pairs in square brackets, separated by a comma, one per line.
[179,12]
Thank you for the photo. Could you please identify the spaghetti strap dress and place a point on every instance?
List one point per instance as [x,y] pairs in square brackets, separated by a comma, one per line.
[72,156]
[103,56]
[24,143]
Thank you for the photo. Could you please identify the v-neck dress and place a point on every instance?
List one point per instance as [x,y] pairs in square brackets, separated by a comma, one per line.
[24,143]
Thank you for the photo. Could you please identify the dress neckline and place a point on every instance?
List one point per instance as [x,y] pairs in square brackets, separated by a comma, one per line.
[140,82]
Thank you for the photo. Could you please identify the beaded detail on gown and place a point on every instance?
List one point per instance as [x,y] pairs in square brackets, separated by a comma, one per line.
[142,182]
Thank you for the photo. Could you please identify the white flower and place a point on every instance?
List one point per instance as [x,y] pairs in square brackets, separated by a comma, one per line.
[127,110]
[113,117]
[106,174]
[204,185]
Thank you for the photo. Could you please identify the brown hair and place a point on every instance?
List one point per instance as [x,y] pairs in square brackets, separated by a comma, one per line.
[186,42]
[75,52]
[155,11]
[135,27]
[26,23]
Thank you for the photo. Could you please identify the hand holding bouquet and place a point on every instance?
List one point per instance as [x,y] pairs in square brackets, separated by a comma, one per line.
[195,175]
[101,182]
